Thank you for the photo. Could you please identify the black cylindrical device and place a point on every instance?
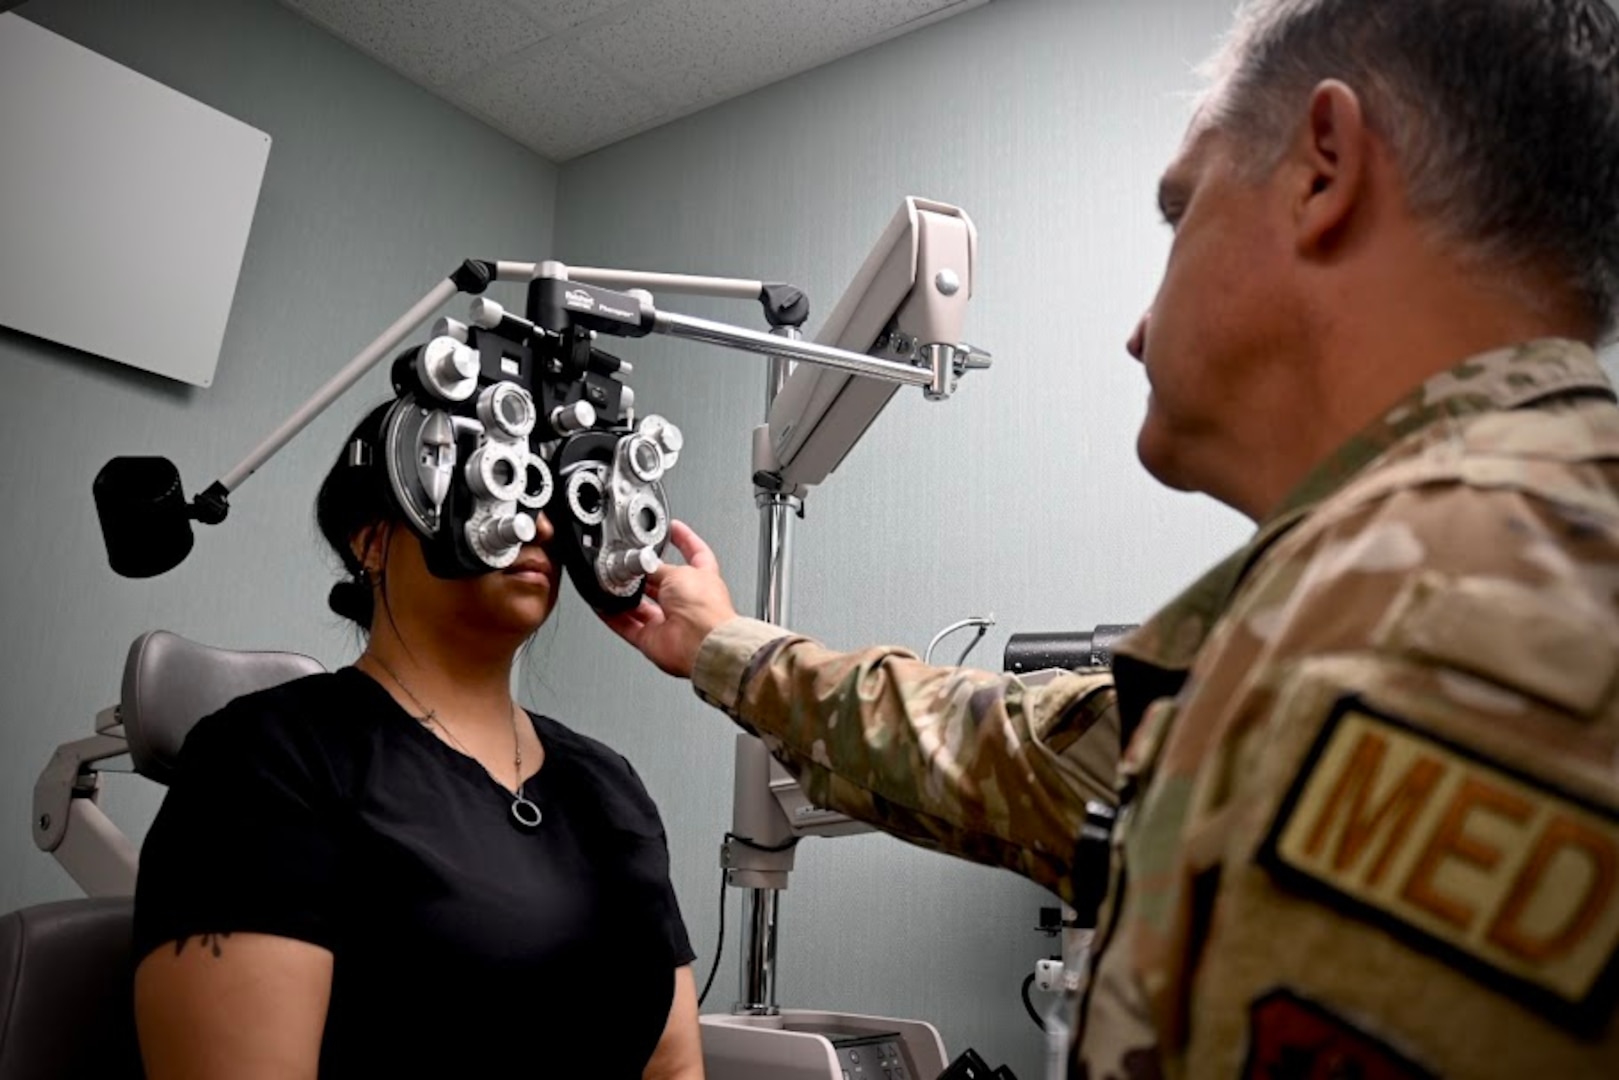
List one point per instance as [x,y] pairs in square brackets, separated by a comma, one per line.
[145,520]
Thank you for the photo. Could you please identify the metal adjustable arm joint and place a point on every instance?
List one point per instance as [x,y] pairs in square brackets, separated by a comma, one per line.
[68,823]
[70,775]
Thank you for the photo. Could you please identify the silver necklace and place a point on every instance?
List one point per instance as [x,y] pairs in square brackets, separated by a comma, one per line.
[523,809]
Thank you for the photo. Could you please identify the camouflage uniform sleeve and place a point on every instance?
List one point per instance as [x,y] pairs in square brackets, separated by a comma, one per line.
[992,768]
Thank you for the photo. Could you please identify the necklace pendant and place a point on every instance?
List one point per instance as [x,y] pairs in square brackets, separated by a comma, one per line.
[525,812]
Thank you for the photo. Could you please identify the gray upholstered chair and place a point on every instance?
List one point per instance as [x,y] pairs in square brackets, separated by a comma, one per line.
[65,972]
[66,967]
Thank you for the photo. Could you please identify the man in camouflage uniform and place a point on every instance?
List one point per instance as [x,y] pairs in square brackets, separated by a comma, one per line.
[1368,801]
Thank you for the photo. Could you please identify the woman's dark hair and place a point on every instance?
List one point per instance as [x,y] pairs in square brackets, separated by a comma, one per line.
[354,497]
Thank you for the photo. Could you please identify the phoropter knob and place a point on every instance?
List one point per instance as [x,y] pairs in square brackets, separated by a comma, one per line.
[626,566]
[508,532]
[448,369]
[579,416]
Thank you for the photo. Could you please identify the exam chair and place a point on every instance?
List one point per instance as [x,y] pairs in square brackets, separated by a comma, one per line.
[66,968]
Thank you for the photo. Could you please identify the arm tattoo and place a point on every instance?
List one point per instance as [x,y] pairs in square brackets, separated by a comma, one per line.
[210,942]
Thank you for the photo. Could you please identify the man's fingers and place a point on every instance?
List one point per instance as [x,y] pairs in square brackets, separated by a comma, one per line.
[626,626]
[691,547]
[647,612]
[632,625]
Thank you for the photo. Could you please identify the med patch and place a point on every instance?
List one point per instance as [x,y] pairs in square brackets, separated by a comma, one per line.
[1293,1038]
[1498,873]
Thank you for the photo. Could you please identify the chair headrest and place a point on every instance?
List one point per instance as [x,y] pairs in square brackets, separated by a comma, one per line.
[170,683]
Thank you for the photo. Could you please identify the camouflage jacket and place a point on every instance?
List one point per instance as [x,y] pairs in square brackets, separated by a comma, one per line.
[1369,806]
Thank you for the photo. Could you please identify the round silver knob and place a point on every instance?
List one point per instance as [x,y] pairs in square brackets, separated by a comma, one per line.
[450,328]
[947,282]
[485,312]
[449,369]
[576,417]
[508,532]
[626,566]
[668,437]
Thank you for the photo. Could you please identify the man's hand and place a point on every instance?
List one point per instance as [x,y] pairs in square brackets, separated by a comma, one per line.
[682,604]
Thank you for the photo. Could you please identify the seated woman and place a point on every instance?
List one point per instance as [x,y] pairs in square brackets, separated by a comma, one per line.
[392,870]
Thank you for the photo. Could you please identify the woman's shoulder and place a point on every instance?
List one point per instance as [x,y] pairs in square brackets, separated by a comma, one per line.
[314,717]
[591,757]
[592,773]
[574,744]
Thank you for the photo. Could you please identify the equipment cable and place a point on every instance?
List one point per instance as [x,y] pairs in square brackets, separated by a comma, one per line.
[719,943]
[1028,981]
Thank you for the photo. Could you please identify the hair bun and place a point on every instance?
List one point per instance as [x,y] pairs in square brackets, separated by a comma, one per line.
[352,600]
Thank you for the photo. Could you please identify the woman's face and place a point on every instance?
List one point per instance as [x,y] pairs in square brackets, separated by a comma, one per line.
[503,603]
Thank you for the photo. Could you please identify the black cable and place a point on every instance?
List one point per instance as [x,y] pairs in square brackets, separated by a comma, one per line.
[1028,981]
[973,644]
[791,842]
[719,944]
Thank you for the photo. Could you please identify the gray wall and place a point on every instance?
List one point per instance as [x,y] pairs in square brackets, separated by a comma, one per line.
[374,190]
[1049,121]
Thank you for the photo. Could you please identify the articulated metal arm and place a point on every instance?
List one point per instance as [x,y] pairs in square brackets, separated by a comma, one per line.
[70,825]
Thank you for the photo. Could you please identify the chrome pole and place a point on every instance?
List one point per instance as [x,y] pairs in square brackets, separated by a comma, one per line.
[760,928]
[691,328]
[758,996]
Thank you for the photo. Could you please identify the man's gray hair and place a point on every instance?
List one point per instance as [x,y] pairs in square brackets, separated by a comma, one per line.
[1503,116]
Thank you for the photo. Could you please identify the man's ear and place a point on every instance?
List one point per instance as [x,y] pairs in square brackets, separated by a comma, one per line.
[1332,157]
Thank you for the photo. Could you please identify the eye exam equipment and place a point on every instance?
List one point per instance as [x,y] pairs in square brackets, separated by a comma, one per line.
[1063,650]
[1037,656]
[498,417]
[907,299]
[503,416]
[495,419]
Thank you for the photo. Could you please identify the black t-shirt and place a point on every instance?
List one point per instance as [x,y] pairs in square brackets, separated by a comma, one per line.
[464,944]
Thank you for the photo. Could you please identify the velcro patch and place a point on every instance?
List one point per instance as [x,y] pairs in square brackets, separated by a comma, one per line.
[1501,875]
[1291,1037]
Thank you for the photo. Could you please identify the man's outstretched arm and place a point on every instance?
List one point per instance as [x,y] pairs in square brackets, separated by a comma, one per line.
[989,767]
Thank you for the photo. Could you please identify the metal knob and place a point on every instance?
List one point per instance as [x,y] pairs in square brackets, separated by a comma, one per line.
[576,417]
[485,312]
[449,369]
[508,532]
[972,358]
[669,438]
[450,328]
[626,566]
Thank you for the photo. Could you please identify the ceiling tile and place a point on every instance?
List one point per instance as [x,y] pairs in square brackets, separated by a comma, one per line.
[687,52]
[556,101]
[434,42]
[561,14]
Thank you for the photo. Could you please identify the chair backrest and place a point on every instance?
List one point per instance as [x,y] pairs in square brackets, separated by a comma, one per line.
[66,970]
[170,683]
